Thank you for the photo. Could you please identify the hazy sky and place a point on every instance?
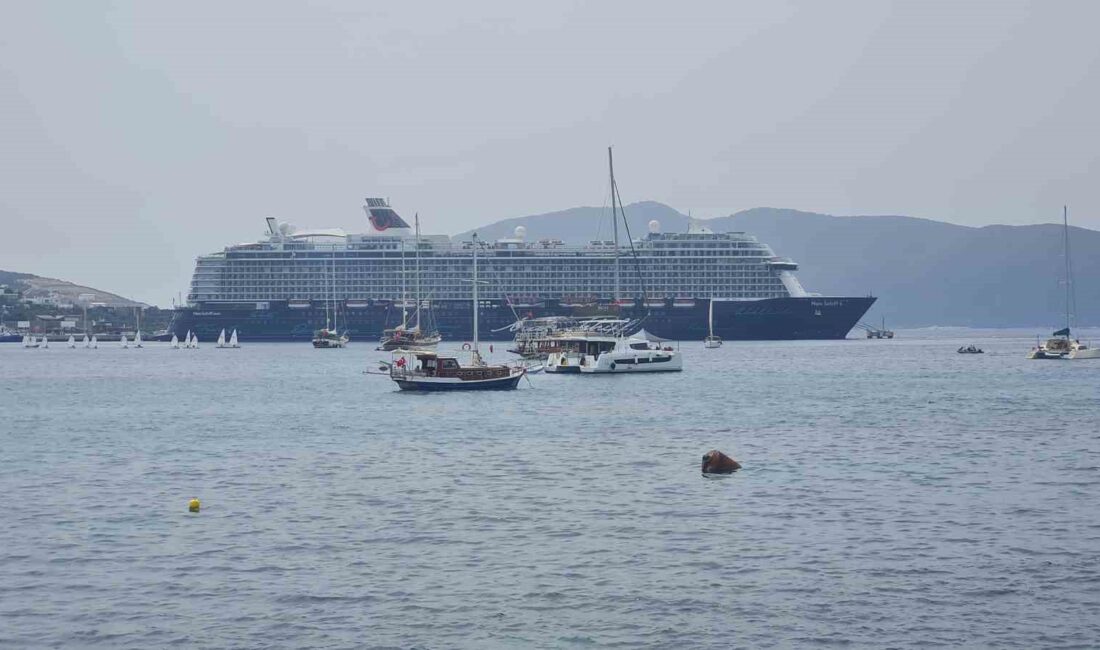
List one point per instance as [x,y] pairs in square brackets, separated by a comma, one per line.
[136,136]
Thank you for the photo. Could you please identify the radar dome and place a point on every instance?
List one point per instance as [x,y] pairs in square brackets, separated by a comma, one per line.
[521,232]
[654,226]
[284,228]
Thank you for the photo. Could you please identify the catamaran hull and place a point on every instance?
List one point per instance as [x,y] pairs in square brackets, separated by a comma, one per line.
[741,320]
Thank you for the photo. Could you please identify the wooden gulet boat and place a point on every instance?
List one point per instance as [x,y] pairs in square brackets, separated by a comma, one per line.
[424,370]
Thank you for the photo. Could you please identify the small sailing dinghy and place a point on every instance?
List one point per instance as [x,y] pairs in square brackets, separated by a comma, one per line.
[137,340]
[175,342]
[95,342]
[72,342]
[233,340]
[87,341]
[711,341]
[122,342]
[221,339]
[29,341]
[45,342]
[194,345]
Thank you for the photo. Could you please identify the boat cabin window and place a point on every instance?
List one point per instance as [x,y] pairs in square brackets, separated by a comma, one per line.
[450,364]
[639,346]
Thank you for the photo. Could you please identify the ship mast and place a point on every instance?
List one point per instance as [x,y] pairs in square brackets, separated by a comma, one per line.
[614,223]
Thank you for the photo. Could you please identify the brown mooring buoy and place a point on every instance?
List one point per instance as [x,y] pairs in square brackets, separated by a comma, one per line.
[715,462]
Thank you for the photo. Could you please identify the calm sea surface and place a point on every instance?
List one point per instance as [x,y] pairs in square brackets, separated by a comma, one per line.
[894,493]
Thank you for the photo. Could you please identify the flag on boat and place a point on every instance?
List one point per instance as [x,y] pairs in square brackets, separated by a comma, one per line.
[1062,332]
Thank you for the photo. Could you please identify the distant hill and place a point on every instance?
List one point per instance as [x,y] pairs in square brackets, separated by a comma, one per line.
[924,272]
[34,286]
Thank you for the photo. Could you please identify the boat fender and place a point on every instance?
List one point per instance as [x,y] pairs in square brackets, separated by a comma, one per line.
[715,462]
[193,505]
[466,346]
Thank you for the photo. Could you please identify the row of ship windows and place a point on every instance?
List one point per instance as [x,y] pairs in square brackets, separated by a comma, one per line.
[652,294]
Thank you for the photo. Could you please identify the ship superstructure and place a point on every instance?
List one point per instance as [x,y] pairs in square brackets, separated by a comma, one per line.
[276,288]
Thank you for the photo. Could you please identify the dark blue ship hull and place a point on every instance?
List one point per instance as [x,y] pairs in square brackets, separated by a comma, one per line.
[758,320]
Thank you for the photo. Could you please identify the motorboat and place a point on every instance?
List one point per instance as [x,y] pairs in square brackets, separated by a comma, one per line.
[632,355]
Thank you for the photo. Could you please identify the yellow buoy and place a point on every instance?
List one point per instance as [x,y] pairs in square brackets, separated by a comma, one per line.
[193,505]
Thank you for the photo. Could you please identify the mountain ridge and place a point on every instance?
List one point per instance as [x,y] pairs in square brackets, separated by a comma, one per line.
[925,272]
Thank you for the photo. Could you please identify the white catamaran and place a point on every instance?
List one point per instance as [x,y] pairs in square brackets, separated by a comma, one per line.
[1061,345]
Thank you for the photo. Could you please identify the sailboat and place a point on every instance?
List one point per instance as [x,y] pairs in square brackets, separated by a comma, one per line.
[233,340]
[221,339]
[194,345]
[45,342]
[425,370]
[122,343]
[627,354]
[87,341]
[29,341]
[1061,345]
[95,342]
[175,342]
[72,342]
[137,340]
[330,337]
[402,336]
[711,341]
[137,328]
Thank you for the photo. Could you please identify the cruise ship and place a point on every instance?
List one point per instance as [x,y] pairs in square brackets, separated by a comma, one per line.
[286,286]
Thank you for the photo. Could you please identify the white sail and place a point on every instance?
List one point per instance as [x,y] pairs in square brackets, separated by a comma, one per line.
[195,341]
[122,342]
[95,342]
[233,340]
[45,342]
[26,341]
[87,342]
[221,339]
[72,341]
[175,342]
[187,339]
[137,340]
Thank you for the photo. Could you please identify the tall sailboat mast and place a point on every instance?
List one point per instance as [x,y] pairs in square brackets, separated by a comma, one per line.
[475,295]
[404,293]
[328,296]
[1065,249]
[417,221]
[614,222]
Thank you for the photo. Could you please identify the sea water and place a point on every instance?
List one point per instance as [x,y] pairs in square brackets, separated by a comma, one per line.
[894,493]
